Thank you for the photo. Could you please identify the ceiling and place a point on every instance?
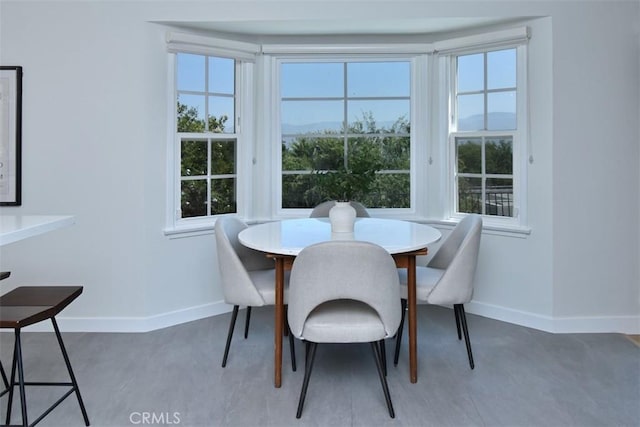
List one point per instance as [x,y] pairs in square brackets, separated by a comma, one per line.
[344,26]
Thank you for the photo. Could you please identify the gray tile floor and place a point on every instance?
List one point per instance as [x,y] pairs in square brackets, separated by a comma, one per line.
[523,377]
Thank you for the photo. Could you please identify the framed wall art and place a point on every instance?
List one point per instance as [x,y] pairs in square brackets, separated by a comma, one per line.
[10,136]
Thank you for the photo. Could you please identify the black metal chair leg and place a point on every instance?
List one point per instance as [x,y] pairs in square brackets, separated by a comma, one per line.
[403,304]
[234,315]
[383,356]
[292,348]
[246,322]
[383,380]
[307,373]
[457,314]
[71,374]
[465,330]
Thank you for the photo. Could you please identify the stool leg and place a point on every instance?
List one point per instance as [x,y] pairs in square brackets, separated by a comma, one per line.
[73,377]
[23,396]
[5,381]
[12,382]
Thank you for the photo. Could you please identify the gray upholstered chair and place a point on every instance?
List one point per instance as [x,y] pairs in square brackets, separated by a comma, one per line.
[448,277]
[248,277]
[322,210]
[344,292]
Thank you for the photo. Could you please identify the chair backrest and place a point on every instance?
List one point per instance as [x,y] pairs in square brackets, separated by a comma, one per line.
[322,210]
[235,261]
[340,270]
[458,256]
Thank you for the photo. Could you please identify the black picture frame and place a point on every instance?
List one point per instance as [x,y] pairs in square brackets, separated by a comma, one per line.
[10,135]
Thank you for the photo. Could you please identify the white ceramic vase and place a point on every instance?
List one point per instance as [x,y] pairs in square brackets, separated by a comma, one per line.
[342,217]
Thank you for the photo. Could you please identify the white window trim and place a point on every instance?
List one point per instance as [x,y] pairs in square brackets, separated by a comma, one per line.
[175,226]
[517,223]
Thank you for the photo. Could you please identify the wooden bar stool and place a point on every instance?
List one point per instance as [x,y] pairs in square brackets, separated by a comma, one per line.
[25,306]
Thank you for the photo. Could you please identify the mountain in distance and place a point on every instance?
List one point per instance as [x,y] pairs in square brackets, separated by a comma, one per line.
[497,121]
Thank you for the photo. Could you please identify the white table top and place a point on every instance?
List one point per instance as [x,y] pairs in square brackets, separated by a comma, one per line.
[289,237]
[17,227]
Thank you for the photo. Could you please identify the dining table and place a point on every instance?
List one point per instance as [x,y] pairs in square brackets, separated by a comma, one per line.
[284,240]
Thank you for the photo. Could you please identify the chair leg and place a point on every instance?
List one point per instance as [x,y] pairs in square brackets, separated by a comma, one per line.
[311,355]
[383,356]
[246,322]
[455,311]
[465,330]
[403,304]
[71,375]
[232,325]
[385,388]
[292,348]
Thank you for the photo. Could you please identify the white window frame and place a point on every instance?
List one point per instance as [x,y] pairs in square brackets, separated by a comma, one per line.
[520,137]
[244,54]
[417,114]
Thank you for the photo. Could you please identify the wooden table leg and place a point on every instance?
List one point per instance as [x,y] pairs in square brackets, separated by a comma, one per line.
[279,321]
[411,304]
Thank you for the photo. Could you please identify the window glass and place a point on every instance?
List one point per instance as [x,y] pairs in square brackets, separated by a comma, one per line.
[311,80]
[501,69]
[366,159]
[470,73]
[208,165]
[376,79]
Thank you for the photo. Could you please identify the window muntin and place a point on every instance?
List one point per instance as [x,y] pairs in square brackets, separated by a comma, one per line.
[345,130]
[205,126]
[484,132]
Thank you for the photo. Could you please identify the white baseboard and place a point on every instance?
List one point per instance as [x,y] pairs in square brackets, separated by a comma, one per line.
[616,324]
[133,324]
[629,325]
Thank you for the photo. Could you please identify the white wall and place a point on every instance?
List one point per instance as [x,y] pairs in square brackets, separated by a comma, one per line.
[94,145]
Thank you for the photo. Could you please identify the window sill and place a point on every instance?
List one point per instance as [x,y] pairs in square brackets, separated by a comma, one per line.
[201,228]
[517,231]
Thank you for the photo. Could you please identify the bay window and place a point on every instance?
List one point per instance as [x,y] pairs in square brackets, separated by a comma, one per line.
[265,132]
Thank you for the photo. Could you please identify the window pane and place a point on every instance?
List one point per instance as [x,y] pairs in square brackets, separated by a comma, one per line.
[317,80]
[221,114]
[376,116]
[190,75]
[499,194]
[501,110]
[309,153]
[223,196]
[190,113]
[223,157]
[471,73]
[469,155]
[390,190]
[193,198]
[222,75]
[311,116]
[193,158]
[501,69]
[499,155]
[470,195]
[396,153]
[470,112]
[301,191]
[375,79]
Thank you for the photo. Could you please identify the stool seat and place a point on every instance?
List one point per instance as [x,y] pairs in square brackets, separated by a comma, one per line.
[27,305]
[24,306]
